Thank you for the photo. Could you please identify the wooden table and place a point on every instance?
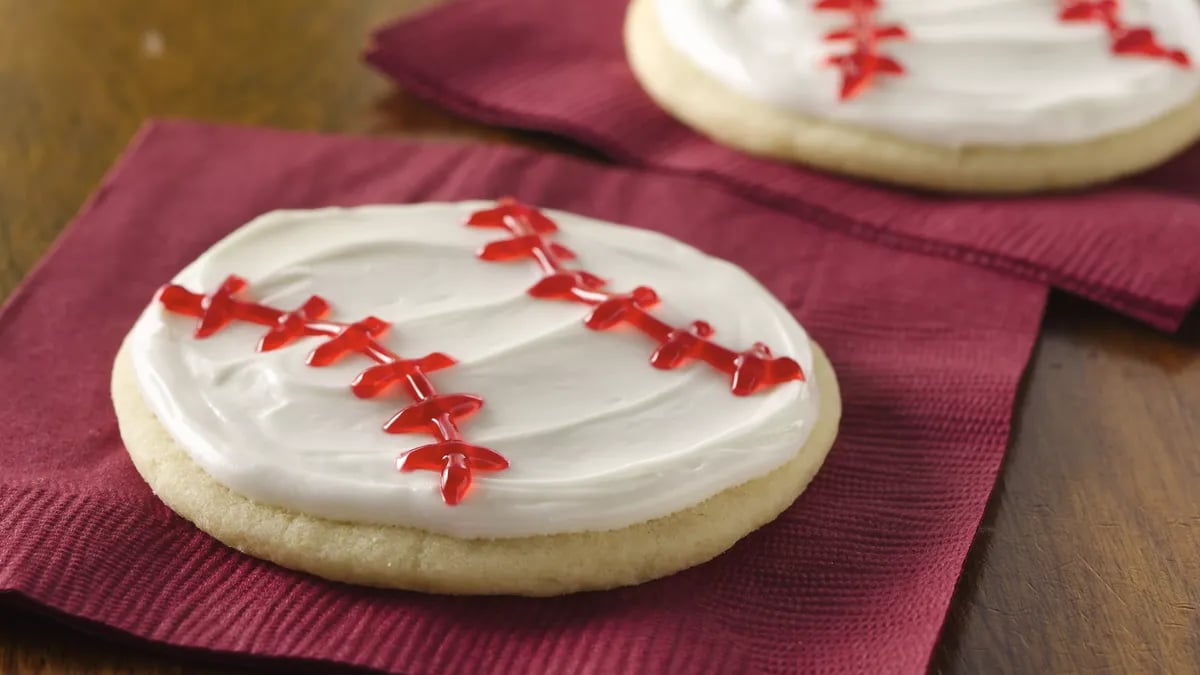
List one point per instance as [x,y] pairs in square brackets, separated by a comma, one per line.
[1089,555]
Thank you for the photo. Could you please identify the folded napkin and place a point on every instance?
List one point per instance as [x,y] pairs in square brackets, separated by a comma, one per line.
[560,67]
[855,577]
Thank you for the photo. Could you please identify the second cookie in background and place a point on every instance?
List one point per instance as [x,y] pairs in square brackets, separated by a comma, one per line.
[1022,96]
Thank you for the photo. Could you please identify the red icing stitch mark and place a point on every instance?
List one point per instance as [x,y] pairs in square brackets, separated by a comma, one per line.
[562,285]
[436,414]
[756,369]
[219,309]
[864,61]
[294,325]
[1124,40]
[372,381]
[455,459]
[357,338]
[682,344]
[750,371]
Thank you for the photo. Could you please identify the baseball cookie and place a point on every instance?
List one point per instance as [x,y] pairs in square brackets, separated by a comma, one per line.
[956,95]
[471,398]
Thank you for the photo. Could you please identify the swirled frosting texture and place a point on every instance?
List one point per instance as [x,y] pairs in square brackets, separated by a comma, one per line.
[988,72]
[596,438]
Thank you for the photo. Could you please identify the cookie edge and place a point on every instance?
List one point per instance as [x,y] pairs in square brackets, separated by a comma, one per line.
[413,559]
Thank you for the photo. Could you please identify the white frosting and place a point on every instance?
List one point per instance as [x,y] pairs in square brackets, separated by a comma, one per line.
[1003,72]
[596,438]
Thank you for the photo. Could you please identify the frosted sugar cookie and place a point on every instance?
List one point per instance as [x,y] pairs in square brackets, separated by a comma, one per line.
[957,95]
[471,398]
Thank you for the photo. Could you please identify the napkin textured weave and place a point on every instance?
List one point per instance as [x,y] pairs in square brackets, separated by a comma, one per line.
[855,577]
[560,67]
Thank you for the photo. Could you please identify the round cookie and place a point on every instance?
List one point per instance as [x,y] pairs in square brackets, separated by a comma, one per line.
[719,111]
[589,467]
[409,558]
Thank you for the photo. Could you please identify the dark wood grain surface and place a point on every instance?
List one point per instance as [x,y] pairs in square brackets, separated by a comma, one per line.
[1088,559]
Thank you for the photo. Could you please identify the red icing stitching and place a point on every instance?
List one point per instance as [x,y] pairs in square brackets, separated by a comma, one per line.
[432,413]
[749,371]
[863,62]
[1123,39]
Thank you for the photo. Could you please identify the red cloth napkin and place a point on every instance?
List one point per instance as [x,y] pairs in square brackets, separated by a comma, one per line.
[855,577]
[560,67]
